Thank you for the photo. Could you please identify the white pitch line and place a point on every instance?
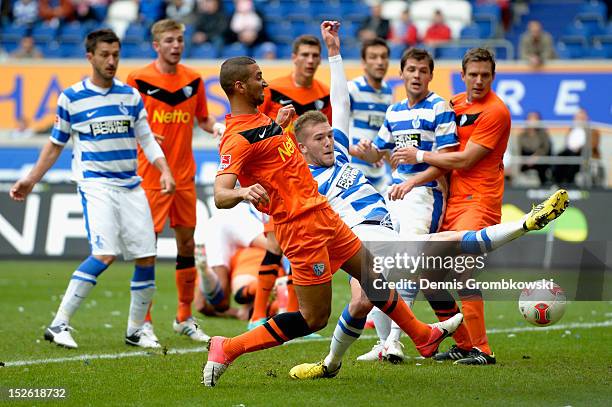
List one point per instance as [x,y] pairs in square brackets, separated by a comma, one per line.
[183,351]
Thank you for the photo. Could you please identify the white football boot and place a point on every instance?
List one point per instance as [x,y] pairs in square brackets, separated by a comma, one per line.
[375,354]
[190,328]
[61,336]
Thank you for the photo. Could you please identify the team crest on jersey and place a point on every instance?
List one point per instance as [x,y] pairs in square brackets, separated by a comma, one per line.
[188,91]
[123,109]
[226,160]
[318,269]
[319,104]
[416,123]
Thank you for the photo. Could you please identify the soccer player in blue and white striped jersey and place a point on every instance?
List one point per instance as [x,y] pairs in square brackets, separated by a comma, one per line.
[105,119]
[423,120]
[370,98]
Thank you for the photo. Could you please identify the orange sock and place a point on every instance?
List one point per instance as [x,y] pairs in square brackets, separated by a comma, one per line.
[473,319]
[274,332]
[185,284]
[400,312]
[265,283]
[292,301]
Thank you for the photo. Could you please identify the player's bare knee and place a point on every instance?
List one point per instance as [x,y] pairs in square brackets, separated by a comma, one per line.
[106,258]
[145,261]
[317,318]
[185,247]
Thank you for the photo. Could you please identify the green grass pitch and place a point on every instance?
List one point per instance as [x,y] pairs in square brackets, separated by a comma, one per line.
[568,365]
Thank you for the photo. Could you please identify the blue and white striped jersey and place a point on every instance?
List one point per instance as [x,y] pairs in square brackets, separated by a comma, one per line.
[429,125]
[368,107]
[105,125]
[348,191]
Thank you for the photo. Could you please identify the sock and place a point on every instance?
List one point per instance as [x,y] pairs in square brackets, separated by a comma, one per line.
[396,332]
[492,237]
[185,284]
[292,301]
[347,331]
[473,318]
[277,330]
[142,288]
[445,307]
[265,283]
[382,323]
[246,293]
[212,287]
[82,281]
[390,302]
[148,316]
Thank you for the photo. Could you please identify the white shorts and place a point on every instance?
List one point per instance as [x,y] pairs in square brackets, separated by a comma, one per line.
[419,213]
[118,220]
[375,233]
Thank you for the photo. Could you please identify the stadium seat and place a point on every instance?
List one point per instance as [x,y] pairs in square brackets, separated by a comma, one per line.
[13,33]
[602,47]
[471,32]
[577,30]
[594,23]
[138,51]
[491,10]
[571,48]
[281,32]
[397,50]
[72,33]
[152,10]
[136,33]
[73,50]
[300,11]
[450,52]
[203,51]
[43,33]
[234,50]
[329,11]
[487,25]
[283,51]
[351,52]
[594,7]
[273,11]
[53,50]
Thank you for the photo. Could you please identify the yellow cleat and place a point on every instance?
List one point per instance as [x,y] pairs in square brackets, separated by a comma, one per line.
[546,211]
[312,371]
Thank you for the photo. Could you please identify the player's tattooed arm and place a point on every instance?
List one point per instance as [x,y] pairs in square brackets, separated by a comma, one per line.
[48,156]
[228,196]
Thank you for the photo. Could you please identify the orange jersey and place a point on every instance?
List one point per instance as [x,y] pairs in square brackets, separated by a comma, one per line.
[247,260]
[487,123]
[255,149]
[172,101]
[283,91]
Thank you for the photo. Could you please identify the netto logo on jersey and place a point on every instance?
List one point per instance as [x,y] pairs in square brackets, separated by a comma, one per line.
[173,117]
[287,149]
[110,127]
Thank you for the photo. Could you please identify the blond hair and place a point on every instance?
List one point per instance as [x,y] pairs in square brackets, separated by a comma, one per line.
[165,25]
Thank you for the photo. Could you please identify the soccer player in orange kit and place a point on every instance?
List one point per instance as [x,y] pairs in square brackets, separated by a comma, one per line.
[274,176]
[174,97]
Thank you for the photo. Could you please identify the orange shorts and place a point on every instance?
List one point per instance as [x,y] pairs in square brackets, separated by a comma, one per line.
[244,267]
[317,244]
[180,206]
[469,215]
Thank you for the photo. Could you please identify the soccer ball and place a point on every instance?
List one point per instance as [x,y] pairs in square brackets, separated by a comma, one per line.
[542,306]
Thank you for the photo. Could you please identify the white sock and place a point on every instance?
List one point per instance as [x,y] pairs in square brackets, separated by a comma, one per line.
[142,288]
[348,329]
[492,237]
[382,323]
[82,281]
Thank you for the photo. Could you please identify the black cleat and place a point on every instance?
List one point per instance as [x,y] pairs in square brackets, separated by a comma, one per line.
[454,353]
[477,357]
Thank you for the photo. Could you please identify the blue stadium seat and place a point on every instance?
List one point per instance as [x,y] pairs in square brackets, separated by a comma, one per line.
[327,11]
[300,11]
[234,50]
[283,51]
[594,7]
[54,50]
[593,23]
[9,45]
[492,10]
[73,50]
[303,27]
[450,52]
[397,50]
[74,33]
[43,33]
[274,10]
[138,51]
[351,52]
[136,33]
[13,33]
[356,12]
[152,10]
[203,51]
[572,48]
[578,30]
[487,25]
[471,32]
[281,32]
